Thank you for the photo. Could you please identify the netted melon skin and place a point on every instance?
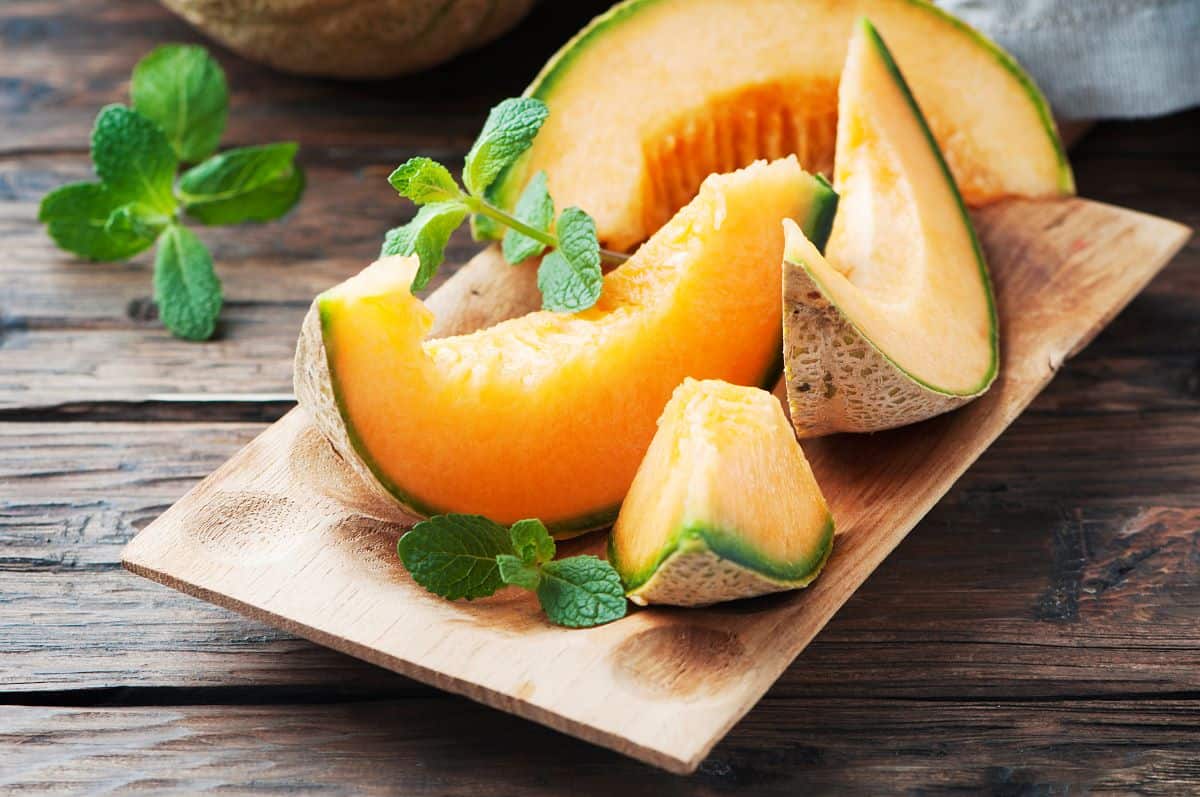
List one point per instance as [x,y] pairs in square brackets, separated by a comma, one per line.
[696,576]
[837,380]
[352,38]
[314,392]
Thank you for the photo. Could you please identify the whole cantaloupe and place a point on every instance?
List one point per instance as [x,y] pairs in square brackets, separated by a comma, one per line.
[352,38]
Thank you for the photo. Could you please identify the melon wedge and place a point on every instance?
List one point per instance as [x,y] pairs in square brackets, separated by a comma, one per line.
[897,323]
[548,415]
[654,95]
[724,506]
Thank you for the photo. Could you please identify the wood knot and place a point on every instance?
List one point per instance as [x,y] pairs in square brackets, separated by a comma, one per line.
[370,544]
[142,309]
[674,661]
[245,526]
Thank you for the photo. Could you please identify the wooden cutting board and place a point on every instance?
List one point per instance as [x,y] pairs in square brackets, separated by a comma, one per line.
[282,534]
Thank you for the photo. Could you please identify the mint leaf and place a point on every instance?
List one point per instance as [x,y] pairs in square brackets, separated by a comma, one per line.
[182,89]
[247,184]
[518,573]
[76,217]
[186,290]
[137,220]
[424,180]
[509,130]
[581,591]
[426,236]
[570,278]
[133,158]
[454,556]
[535,208]
[532,542]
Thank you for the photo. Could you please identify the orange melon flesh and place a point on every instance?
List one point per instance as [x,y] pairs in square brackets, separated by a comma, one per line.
[654,95]
[548,415]
[902,263]
[724,505]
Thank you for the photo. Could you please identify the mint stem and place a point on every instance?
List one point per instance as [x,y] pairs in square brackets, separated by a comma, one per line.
[484,208]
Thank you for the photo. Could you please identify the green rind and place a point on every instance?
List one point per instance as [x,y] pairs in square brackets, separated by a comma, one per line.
[819,223]
[504,189]
[731,546]
[984,276]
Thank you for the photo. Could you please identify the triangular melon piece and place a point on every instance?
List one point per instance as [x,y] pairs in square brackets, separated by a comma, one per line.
[724,505]
[896,323]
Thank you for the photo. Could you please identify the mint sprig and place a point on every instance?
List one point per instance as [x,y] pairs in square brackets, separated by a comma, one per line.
[183,89]
[181,103]
[469,556]
[569,277]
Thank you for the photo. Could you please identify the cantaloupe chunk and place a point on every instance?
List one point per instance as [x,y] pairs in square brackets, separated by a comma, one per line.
[654,95]
[724,505]
[897,322]
[548,415]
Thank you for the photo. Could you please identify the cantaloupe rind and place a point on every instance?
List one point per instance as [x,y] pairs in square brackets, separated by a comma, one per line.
[703,566]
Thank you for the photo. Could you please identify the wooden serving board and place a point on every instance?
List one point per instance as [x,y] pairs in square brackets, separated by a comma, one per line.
[281,531]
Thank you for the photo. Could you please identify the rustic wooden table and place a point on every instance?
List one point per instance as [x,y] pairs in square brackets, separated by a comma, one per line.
[1038,633]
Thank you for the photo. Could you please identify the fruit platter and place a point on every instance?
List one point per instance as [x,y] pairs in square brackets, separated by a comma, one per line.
[757,282]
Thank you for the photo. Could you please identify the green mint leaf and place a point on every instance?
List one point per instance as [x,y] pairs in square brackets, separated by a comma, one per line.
[570,278]
[509,130]
[247,184]
[133,158]
[535,208]
[183,90]
[186,289]
[76,217]
[517,573]
[426,236]
[454,556]
[581,591]
[137,220]
[532,542]
[424,180]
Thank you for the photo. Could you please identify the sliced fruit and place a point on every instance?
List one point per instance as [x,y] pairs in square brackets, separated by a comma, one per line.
[897,323]
[548,415]
[654,95]
[724,505]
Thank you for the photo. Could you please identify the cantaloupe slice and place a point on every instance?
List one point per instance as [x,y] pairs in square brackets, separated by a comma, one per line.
[654,95]
[548,415]
[724,505]
[897,323]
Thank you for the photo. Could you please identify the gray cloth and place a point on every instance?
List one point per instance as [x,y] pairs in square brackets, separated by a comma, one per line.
[1099,58]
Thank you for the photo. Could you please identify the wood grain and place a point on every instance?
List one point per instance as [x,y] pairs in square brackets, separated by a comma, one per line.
[1006,592]
[282,531]
[1040,624]
[420,746]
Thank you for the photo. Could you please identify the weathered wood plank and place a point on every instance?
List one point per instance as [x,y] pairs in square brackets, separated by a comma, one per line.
[1014,586]
[64,59]
[448,747]
[73,331]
